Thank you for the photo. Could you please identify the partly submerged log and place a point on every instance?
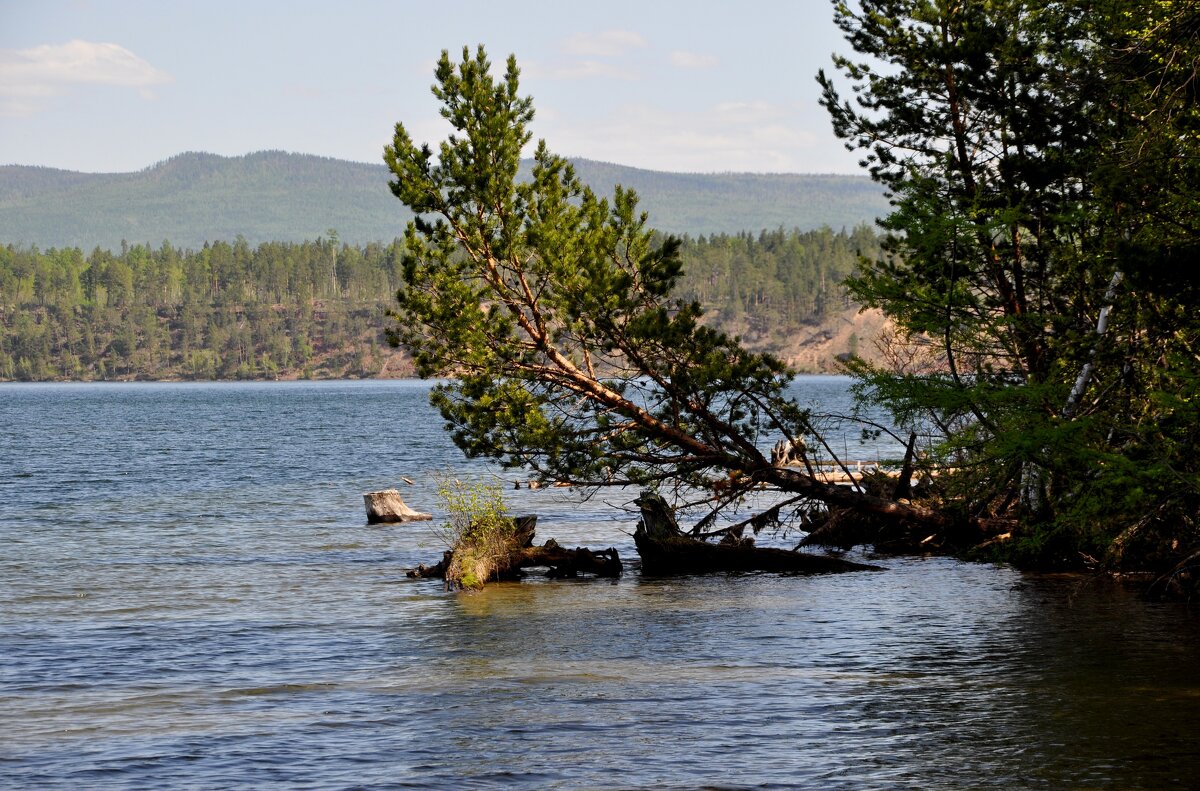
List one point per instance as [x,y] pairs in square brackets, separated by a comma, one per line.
[389,506]
[665,550]
[563,562]
[520,554]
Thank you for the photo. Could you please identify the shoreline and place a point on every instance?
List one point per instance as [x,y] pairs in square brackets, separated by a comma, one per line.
[289,378]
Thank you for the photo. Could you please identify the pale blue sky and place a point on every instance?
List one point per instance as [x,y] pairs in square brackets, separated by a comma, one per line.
[116,85]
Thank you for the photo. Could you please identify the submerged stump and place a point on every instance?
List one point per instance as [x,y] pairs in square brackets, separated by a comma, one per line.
[665,550]
[389,506]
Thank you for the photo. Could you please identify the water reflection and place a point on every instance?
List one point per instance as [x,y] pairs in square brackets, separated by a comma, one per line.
[956,676]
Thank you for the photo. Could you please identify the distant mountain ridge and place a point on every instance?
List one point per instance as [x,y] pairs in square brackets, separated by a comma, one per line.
[277,196]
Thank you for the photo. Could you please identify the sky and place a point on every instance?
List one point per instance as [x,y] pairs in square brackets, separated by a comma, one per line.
[687,86]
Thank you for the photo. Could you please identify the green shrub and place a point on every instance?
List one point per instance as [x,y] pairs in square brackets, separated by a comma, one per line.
[479,531]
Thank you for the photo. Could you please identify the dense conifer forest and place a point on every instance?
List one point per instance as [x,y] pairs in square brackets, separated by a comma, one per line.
[230,310]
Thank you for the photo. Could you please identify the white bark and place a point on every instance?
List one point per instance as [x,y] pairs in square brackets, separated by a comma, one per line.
[1031,475]
[1085,375]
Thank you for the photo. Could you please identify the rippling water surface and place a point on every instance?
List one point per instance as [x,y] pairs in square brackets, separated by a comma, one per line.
[190,598]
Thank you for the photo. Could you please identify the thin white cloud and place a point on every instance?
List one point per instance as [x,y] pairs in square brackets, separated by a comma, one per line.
[748,136]
[606,44]
[29,78]
[692,60]
[586,69]
[753,112]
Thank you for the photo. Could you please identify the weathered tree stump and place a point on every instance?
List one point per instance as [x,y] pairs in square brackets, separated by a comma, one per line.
[666,551]
[389,506]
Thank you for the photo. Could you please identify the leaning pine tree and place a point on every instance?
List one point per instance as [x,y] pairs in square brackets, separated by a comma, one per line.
[550,311]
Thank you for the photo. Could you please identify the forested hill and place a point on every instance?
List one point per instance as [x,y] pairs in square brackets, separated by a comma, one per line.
[275,196]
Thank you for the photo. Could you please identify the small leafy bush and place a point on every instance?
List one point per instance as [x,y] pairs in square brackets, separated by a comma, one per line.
[479,531]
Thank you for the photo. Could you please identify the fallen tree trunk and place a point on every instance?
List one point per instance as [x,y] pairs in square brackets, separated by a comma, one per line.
[437,571]
[560,561]
[665,550]
[684,555]
[564,562]
[519,553]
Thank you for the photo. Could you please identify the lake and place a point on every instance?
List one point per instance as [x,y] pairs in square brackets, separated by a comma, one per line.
[190,598]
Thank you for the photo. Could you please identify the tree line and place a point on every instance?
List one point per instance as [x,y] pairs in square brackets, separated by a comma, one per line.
[317,309]
[226,311]
[770,283]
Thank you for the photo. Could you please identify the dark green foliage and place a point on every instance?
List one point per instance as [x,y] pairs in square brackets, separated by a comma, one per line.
[1042,161]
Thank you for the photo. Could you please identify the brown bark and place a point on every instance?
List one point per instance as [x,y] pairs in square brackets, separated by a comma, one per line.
[564,562]
[684,555]
[834,495]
